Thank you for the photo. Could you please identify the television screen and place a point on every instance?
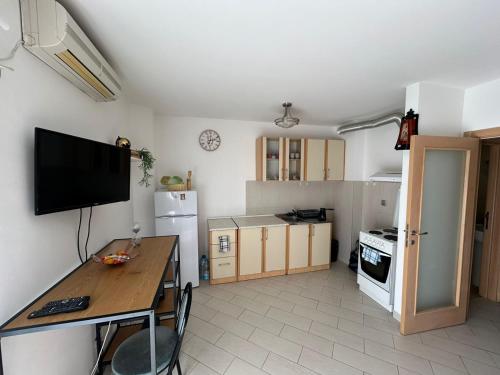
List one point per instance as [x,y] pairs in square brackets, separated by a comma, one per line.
[73,172]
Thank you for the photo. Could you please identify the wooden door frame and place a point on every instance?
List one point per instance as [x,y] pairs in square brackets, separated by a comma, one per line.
[483,135]
[411,321]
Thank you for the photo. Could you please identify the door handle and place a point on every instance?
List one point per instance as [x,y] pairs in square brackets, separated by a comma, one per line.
[486,220]
[312,230]
[415,233]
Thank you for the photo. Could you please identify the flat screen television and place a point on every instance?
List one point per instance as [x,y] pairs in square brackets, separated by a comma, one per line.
[73,172]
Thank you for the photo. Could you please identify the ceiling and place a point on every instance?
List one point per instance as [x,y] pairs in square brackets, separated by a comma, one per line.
[335,60]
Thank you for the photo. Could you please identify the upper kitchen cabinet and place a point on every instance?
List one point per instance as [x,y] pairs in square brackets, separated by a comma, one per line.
[294,159]
[315,160]
[270,159]
[299,159]
[335,151]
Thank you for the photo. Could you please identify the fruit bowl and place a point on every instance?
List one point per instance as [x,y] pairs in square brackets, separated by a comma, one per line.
[120,257]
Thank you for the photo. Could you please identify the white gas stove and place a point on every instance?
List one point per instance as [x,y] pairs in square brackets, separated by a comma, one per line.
[377,264]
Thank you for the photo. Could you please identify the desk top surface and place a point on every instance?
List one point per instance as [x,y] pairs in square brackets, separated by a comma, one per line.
[113,290]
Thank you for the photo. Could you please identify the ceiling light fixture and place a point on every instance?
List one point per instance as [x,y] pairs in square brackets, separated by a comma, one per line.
[287,121]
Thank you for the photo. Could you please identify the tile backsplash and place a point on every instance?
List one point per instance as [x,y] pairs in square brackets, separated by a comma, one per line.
[357,204]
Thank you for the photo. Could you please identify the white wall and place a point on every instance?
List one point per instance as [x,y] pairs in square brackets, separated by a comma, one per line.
[370,151]
[481,106]
[36,251]
[441,110]
[140,131]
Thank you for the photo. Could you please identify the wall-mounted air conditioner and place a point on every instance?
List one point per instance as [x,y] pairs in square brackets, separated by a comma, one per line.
[51,34]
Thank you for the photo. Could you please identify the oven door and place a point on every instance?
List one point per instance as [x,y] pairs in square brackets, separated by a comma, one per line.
[375,265]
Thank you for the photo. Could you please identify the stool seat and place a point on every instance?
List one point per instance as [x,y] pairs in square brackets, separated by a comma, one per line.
[133,355]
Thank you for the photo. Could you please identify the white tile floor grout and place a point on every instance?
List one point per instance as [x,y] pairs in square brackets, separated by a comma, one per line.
[320,323]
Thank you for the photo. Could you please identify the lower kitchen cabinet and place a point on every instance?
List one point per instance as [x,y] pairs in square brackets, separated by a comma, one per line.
[298,248]
[274,250]
[250,253]
[222,263]
[223,269]
[320,245]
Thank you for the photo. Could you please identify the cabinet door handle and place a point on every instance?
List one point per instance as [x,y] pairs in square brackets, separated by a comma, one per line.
[312,230]
[266,233]
[224,264]
[328,173]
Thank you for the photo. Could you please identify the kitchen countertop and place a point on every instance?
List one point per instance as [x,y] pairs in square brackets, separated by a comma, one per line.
[258,221]
[290,220]
[221,223]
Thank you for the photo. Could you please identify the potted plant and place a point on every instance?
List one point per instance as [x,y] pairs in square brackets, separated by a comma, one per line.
[146,165]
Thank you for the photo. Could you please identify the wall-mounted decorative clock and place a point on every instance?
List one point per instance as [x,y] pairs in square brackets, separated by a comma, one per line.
[209,140]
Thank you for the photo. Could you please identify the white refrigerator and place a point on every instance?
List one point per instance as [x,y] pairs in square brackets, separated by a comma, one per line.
[176,213]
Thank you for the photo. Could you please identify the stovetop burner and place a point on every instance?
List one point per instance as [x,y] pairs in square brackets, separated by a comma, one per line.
[375,232]
[391,237]
[391,230]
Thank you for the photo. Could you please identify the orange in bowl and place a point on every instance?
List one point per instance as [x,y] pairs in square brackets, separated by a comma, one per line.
[113,259]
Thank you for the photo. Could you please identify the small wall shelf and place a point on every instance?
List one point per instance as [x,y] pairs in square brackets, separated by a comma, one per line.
[134,155]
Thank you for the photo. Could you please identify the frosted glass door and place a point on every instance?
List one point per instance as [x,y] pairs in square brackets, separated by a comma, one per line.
[441,189]
[442,203]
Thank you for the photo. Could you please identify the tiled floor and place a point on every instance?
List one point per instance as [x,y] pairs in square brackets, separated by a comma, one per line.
[320,323]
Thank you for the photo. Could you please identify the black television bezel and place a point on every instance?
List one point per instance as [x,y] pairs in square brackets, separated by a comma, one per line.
[39,212]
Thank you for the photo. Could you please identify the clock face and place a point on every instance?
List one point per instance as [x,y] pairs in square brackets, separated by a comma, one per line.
[210,140]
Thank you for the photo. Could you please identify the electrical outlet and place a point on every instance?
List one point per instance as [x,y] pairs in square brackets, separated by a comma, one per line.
[383,202]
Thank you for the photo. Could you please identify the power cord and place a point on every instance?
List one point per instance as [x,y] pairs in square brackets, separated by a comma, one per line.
[14,49]
[78,237]
[88,234]
[100,351]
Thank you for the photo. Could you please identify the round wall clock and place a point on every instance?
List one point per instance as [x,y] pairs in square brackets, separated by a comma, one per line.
[209,140]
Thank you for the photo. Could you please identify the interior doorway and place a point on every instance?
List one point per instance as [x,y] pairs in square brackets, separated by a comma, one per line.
[485,270]
[485,280]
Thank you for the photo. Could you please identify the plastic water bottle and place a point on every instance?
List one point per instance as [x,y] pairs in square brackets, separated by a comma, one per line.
[204,267]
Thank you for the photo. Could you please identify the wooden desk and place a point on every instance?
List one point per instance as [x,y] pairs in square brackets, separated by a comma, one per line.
[119,292]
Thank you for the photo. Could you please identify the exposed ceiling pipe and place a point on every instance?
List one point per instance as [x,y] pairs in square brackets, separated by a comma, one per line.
[373,123]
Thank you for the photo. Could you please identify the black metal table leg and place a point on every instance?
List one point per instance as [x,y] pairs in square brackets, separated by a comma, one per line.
[99,344]
[1,363]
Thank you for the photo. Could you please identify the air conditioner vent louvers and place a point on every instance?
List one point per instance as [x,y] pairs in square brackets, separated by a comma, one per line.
[81,70]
